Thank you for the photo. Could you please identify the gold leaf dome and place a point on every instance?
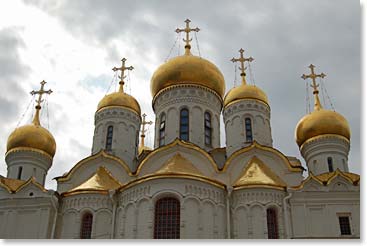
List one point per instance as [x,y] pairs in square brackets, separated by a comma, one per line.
[32,136]
[119,99]
[320,122]
[245,91]
[188,69]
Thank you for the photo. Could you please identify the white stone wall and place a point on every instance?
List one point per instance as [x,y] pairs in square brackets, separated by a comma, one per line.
[248,209]
[202,208]
[234,123]
[73,208]
[126,126]
[197,100]
[315,214]
[34,164]
[316,152]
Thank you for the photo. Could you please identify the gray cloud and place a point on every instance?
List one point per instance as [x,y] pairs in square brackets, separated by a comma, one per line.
[284,37]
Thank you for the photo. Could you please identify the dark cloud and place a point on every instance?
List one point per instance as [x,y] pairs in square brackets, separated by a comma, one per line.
[284,37]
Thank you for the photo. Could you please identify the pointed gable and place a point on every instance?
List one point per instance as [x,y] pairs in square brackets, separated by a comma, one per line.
[14,185]
[179,165]
[100,182]
[256,173]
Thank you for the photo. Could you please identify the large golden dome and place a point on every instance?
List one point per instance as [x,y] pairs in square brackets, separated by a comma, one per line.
[245,91]
[32,136]
[188,69]
[321,122]
[119,99]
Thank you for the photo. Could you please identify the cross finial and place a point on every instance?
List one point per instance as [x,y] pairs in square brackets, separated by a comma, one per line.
[315,86]
[36,120]
[188,39]
[242,60]
[121,77]
[143,130]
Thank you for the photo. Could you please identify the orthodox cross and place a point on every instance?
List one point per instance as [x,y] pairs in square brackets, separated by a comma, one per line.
[36,119]
[143,130]
[242,60]
[121,77]
[315,86]
[188,39]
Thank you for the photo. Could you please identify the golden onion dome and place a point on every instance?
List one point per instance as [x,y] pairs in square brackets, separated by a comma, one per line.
[119,99]
[245,91]
[188,69]
[320,122]
[32,136]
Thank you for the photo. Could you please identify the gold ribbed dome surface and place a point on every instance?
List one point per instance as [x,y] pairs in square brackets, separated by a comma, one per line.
[119,99]
[245,91]
[188,69]
[321,122]
[32,136]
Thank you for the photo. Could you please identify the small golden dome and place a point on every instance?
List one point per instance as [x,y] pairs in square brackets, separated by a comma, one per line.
[245,91]
[321,122]
[188,69]
[32,136]
[119,99]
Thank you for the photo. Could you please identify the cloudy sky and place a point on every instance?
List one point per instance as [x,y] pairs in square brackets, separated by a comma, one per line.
[74,44]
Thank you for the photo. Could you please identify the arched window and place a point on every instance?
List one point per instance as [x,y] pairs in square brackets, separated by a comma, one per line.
[248,128]
[167,218]
[86,226]
[272,222]
[162,129]
[20,169]
[330,164]
[208,128]
[184,124]
[109,138]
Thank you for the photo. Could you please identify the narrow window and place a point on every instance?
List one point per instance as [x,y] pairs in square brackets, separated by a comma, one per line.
[330,164]
[248,128]
[344,225]
[20,169]
[162,128]
[167,219]
[208,128]
[272,223]
[86,226]
[109,138]
[184,124]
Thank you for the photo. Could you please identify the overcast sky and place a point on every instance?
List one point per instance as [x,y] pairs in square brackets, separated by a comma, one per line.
[74,44]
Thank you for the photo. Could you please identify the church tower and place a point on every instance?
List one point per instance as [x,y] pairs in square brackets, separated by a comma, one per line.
[31,148]
[117,123]
[246,113]
[187,99]
[323,135]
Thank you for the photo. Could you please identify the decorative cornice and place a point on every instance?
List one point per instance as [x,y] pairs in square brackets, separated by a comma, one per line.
[28,149]
[244,100]
[322,137]
[101,153]
[265,148]
[118,107]
[187,85]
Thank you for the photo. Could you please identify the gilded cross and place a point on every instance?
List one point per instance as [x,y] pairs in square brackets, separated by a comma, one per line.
[315,86]
[122,69]
[188,39]
[143,130]
[36,120]
[242,60]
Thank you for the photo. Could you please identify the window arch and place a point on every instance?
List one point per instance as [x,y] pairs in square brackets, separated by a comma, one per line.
[162,129]
[167,218]
[86,226]
[330,164]
[184,124]
[109,138]
[208,128]
[248,130]
[272,222]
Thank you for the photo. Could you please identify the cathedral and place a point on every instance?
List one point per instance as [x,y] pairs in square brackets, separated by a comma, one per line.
[188,186]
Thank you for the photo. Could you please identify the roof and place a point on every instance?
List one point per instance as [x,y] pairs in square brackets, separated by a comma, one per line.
[178,164]
[14,185]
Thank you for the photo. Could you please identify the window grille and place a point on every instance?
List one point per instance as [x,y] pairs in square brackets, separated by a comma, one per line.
[184,124]
[248,130]
[208,128]
[86,226]
[167,219]
[162,128]
[272,223]
[330,164]
[344,225]
[109,138]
